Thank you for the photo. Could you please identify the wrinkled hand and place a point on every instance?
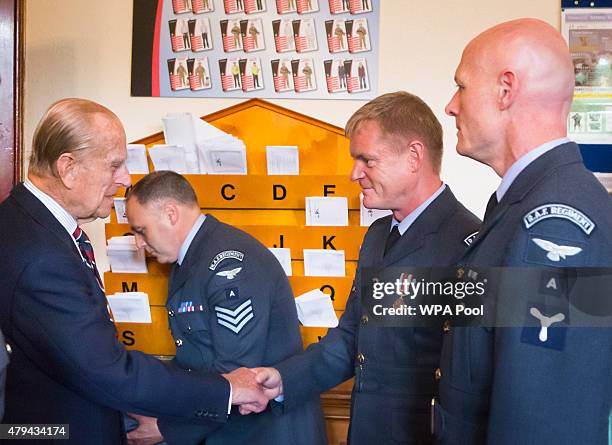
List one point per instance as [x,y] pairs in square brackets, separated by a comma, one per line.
[271,384]
[246,390]
[147,432]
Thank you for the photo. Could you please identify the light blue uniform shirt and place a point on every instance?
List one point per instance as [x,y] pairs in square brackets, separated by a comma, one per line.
[412,217]
[190,236]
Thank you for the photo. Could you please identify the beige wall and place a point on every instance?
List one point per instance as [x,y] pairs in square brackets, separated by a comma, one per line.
[81,48]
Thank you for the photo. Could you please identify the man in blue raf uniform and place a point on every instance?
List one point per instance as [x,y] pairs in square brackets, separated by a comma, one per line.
[67,366]
[229,305]
[526,385]
[396,144]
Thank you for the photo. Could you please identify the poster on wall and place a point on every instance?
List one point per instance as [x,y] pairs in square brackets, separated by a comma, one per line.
[588,33]
[311,49]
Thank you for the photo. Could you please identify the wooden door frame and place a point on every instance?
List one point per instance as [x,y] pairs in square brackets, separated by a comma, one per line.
[11,94]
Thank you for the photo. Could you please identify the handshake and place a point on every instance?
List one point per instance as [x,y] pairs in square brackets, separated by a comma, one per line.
[253,388]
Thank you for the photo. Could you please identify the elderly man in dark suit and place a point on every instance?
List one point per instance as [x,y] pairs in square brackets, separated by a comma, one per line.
[229,305]
[511,385]
[396,144]
[67,366]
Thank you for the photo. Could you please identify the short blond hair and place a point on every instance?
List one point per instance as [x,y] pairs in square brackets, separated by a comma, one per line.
[66,127]
[401,114]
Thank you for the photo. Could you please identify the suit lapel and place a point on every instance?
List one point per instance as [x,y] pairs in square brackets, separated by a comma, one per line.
[427,222]
[37,210]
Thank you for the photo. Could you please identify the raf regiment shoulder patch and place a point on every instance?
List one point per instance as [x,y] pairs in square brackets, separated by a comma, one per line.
[236,319]
[560,211]
[226,254]
[470,238]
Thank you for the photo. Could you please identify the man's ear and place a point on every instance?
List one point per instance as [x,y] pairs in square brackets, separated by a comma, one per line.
[508,89]
[67,169]
[171,212]
[416,155]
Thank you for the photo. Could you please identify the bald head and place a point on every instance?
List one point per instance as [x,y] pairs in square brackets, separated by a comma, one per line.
[535,51]
[515,87]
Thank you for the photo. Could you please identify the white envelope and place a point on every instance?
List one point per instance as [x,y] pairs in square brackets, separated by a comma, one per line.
[130,307]
[326,211]
[324,263]
[136,161]
[169,157]
[283,255]
[120,210]
[315,309]
[282,160]
[124,256]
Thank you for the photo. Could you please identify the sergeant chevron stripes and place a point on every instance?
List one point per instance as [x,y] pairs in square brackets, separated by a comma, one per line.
[236,319]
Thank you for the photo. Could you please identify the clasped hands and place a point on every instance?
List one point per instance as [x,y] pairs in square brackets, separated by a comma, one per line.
[252,389]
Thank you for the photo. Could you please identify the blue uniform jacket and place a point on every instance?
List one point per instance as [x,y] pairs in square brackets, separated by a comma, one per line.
[394,368]
[230,305]
[67,366]
[508,385]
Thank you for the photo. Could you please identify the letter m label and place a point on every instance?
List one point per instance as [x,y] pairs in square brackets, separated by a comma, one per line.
[132,288]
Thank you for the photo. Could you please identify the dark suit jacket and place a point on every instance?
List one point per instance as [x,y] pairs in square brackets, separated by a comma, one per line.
[395,375]
[238,311]
[4,361]
[67,365]
[504,385]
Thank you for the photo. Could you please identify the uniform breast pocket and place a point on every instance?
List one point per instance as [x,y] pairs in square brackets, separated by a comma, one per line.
[192,322]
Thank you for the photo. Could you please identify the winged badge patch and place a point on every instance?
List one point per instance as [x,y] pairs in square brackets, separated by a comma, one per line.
[555,252]
[229,274]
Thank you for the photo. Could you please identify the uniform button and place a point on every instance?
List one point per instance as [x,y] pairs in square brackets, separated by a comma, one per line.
[8,349]
[361,358]
[438,374]
[179,342]
[353,289]
[364,319]
[188,369]
[446,327]
[171,313]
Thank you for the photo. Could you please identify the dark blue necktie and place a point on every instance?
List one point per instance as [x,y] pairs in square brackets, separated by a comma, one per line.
[394,235]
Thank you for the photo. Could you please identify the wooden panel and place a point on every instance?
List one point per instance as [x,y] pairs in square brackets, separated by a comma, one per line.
[152,338]
[324,160]
[155,285]
[266,192]
[296,238]
[323,149]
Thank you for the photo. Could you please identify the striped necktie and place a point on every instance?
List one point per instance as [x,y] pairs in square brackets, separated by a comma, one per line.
[87,253]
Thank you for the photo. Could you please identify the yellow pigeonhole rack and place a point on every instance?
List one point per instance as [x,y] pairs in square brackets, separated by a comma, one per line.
[272,209]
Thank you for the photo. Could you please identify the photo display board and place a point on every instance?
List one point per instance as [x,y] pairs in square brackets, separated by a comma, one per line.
[312,49]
